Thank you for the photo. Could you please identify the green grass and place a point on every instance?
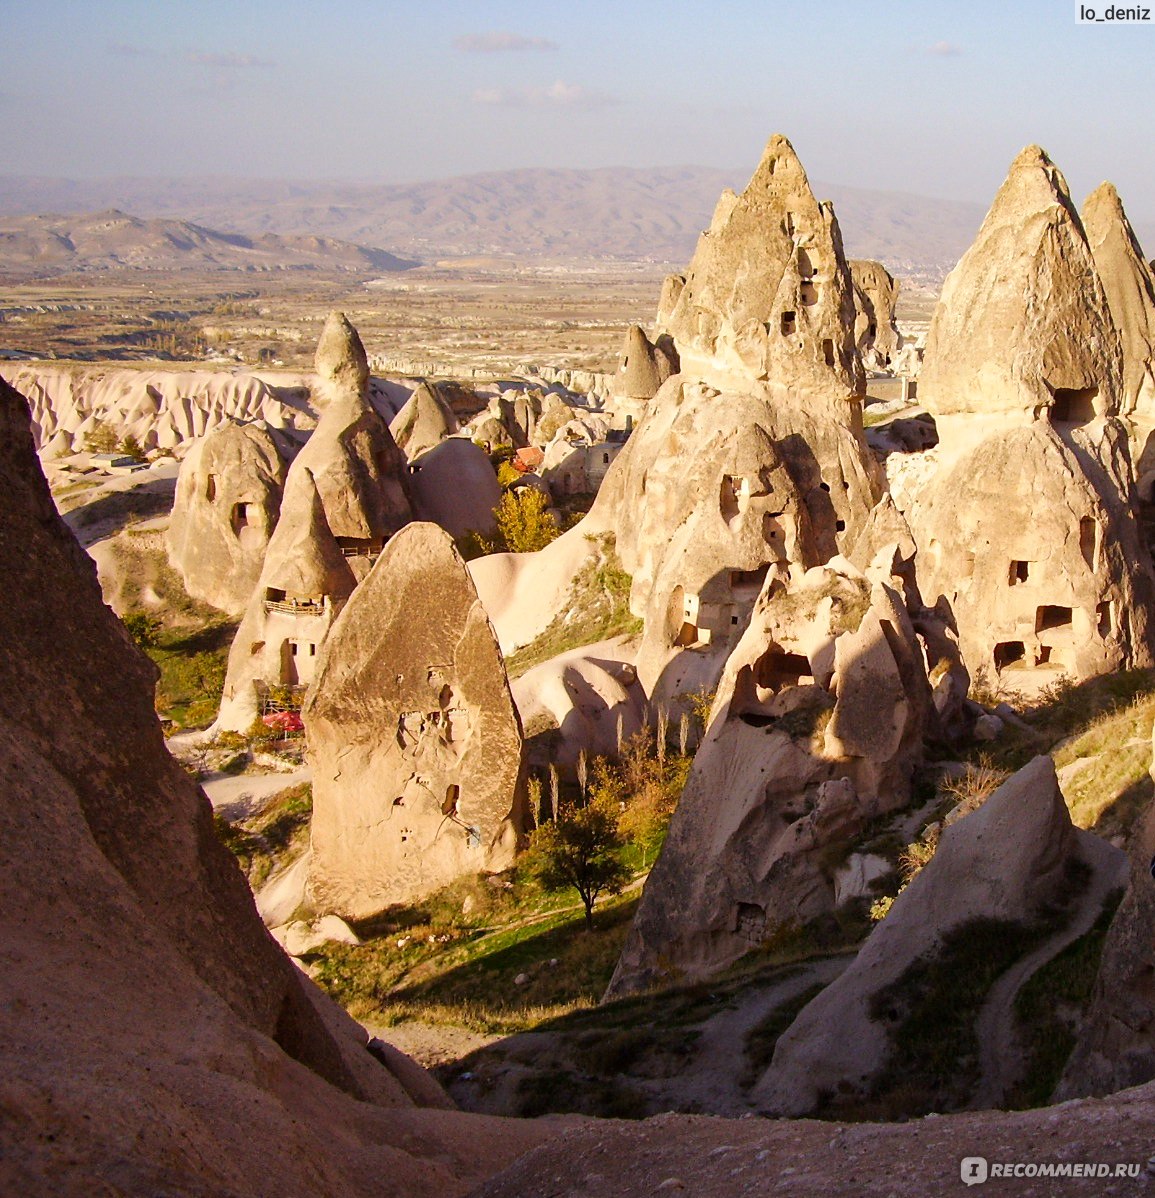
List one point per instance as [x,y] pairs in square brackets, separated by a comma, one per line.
[445,972]
[192,672]
[1049,1005]
[598,608]
[276,834]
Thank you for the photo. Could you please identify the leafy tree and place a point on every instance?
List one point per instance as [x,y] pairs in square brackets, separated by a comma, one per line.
[100,439]
[523,523]
[507,474]
[132,448]
[582,849]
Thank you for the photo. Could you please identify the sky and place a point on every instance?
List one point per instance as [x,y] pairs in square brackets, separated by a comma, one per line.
[933,98]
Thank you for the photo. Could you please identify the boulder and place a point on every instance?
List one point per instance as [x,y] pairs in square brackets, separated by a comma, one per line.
[454,485]
[413,737]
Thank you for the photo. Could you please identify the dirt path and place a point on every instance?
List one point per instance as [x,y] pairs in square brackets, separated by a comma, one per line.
[235,796]
[1000,1053]
[710,1081]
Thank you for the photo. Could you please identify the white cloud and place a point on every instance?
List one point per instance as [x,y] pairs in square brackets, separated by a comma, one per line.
[558,94]
[944,50]
[501,42]
[227,60]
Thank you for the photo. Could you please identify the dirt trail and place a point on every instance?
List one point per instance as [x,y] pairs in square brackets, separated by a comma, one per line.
[1000,1053]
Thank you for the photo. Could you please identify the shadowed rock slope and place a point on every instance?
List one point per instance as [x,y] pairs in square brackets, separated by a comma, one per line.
[153,1038]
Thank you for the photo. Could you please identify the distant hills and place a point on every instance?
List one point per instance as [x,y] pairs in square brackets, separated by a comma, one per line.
[111,240]
[627,214]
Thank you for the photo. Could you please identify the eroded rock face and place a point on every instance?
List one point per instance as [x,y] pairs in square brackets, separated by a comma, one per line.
[228,499]
[875,297]
[1032,542]
[767,295]
[454,485]
[713,493]
[345,496]
[1026,530]
[642,366]
[1023,330]
[173,1047]
[414,740]
[1129,285]
[423,422]
[815,730]
[1007,861]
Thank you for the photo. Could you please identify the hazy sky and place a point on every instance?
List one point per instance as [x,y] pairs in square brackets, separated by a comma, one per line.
[928,97]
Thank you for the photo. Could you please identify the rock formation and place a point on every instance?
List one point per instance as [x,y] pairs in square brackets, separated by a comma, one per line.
[454,485]
[816,728]
[160,408]
[228,498]
[642,368]
[413,736]
[423,422]
[153,1038]
[767,295]
[1026,530]
[1010,861]
[1129,285]
[875,297]
[1023,330]
[1115,1045]
[345,496]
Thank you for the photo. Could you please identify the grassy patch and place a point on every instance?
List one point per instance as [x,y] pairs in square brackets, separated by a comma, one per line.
[275,835]
[192,673]
[1049,1006]
[598,608]
[435,971]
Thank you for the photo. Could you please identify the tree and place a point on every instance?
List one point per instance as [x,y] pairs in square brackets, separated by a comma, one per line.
[132,448]
[523,523]
[581,849]
[143,629]
[101,438]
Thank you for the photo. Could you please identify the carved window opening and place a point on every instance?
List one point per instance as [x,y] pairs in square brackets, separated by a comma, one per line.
[828,351]
[1050,616]
[1019,572]
[1074,405]
[1089,541]
[1007,653]
[211,487]
[789,323]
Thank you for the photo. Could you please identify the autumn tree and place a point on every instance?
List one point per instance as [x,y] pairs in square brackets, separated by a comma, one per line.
[582,849]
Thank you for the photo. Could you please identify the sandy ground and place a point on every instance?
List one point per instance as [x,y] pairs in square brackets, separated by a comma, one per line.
[236,796]
[432,1044]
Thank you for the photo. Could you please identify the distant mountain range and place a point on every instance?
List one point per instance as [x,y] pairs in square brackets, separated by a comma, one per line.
[627,214]
[111,240]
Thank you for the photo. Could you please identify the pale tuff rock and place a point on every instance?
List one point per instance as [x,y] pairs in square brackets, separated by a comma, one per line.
[174,1048]
[454,485]
[1030,540]
[162,409]
[345,496]
[817,725]
[875,297]
[228,499]
[712,493]
[1022,330]
[1010,861]
[643,366]
[1115,1047]
[341,364]
[423,422]
[413,736]
[768,296]
[1129,285]
[1026,530]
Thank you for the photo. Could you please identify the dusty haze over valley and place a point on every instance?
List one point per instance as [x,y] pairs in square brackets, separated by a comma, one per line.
[536,669]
